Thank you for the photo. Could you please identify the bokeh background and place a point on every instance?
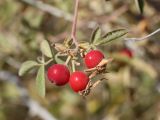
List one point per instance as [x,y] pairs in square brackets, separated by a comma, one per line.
[132,91]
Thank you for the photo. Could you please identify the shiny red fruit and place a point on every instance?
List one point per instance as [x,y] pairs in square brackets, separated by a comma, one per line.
[78,81]
[93,58]
[58,74]
[127,52]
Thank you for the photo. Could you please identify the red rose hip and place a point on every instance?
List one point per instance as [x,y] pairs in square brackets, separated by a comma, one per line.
[93,58]
[78,81]
[58,74]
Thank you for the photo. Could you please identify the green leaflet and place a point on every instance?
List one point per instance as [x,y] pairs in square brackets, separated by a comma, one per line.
[96,35]
[45,48]
[26,66]
[40,81]
[111,36]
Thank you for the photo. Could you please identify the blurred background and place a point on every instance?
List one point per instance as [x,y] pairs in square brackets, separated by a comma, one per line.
[132,91]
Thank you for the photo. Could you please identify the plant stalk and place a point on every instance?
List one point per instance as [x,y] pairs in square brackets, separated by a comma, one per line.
[74,25]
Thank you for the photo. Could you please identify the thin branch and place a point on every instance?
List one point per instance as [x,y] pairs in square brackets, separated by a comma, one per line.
[145,37]
[74,25]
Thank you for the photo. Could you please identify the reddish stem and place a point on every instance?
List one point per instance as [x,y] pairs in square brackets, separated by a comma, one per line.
[74,25]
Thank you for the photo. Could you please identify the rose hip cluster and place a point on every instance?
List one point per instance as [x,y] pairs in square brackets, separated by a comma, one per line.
[60,75]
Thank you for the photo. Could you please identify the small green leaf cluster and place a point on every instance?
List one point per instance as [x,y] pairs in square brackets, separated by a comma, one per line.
[40,63]
[67,54]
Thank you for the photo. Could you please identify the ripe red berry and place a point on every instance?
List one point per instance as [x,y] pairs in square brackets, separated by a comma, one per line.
[78,81]
[58,74]
[93,58]
[127,53]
